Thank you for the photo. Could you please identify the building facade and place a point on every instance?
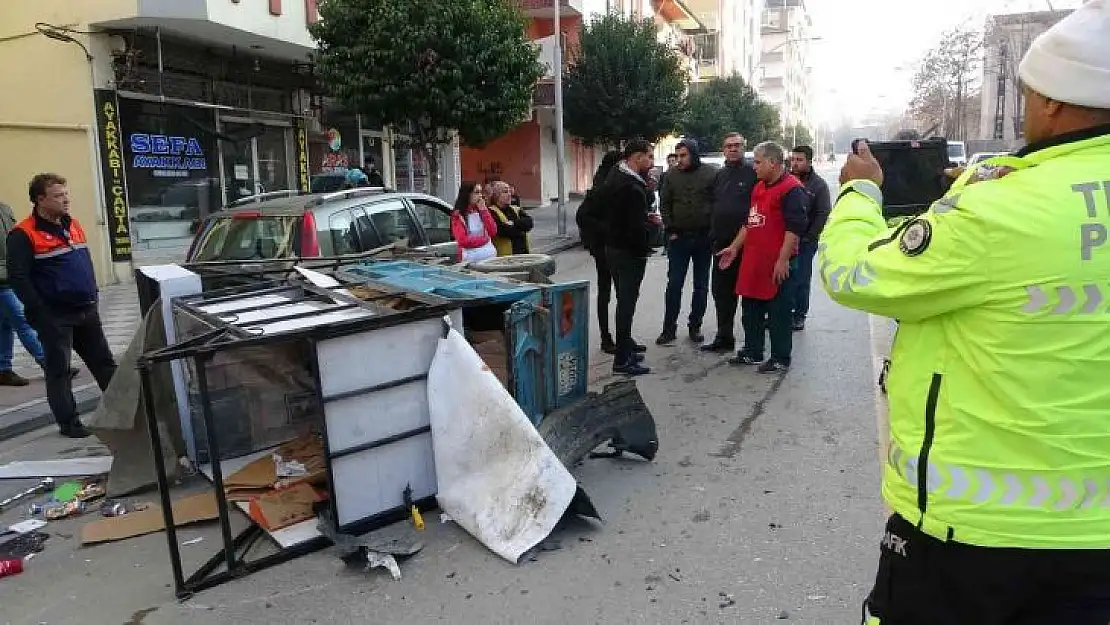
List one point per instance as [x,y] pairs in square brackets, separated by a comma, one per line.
[1006,40]
[161,112]
[730,41]
[784,76]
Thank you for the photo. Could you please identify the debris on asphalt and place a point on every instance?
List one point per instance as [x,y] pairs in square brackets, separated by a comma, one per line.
[375,559]
[29,525]
[10,567]
[784,615]
[43,486]
[727,600]
[701,516]
[16,546]
[192,541]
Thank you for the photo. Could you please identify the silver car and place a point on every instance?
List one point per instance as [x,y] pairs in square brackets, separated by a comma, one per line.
[290,224]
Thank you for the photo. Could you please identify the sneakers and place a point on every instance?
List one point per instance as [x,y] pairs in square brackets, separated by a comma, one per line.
[773,366]
[742,359]
[77,430]
[11,378]
[720,345]
[667,337]
[696,335]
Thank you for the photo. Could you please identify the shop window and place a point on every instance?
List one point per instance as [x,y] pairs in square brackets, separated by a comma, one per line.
[172,171]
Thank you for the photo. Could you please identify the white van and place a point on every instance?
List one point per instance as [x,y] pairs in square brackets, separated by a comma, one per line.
[957,153]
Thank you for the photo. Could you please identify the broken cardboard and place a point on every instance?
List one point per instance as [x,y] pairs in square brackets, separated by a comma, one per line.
[281,508]
[188,510]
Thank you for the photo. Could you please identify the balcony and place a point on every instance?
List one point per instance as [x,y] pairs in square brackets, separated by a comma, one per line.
[544,8]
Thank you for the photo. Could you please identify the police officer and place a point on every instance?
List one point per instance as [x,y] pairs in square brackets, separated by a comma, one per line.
[999,465]
[51,270]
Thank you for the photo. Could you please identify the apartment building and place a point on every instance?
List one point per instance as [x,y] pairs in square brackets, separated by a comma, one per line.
[730,40]
[1006,40]
[784,76]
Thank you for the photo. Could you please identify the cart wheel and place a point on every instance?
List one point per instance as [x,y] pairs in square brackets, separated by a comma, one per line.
[516,263]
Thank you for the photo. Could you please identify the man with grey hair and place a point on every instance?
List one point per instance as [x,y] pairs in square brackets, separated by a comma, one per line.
[766,281]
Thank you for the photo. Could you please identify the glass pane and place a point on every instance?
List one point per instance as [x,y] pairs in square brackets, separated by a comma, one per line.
[366,233]
[243,239]
[273,160]
[373,156]
[435,219]
[402,169]
[238,159]
[344,236]
[394,223]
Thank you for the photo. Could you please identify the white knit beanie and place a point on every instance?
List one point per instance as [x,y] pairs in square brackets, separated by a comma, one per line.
[1070,62]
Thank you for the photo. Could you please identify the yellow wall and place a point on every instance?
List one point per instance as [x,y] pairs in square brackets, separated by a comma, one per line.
[46,114]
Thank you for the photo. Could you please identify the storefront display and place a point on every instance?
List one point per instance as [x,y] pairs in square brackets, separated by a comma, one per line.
[172,174]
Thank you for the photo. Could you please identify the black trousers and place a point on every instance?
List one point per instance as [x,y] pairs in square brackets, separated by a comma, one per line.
[61,334]
[926,581]
[725,299]
[604,290]
[628,273]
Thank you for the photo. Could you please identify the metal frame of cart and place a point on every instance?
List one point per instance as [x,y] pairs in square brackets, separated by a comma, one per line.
[227,337]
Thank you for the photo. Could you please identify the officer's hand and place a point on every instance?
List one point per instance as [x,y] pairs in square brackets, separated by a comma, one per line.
[862,166]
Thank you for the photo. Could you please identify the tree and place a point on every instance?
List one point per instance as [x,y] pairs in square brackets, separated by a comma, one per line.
[729,105]
[432,70]
[799,135]
[944,83]
[622,83]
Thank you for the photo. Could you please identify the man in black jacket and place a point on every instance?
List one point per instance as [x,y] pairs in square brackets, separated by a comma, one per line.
[820,205]
[627,245]
[686,203]
[732,200]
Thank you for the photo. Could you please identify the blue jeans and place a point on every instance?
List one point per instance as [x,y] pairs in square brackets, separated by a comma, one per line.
[688,248]
[12,322]
[807,250]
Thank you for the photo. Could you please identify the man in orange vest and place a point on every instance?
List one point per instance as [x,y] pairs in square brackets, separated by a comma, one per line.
[51,270]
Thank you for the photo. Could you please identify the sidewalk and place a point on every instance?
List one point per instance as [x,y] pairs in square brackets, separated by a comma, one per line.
[23,409]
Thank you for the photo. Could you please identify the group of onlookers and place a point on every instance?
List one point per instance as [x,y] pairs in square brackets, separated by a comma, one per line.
[488,221]
[753,229]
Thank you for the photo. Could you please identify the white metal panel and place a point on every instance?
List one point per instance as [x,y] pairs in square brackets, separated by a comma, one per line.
[355,362]
[374,481]
[374,416]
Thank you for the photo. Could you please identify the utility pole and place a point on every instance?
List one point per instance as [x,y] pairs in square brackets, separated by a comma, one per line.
[560,156]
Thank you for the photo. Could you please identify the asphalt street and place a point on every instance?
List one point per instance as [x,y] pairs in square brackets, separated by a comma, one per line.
[762,507]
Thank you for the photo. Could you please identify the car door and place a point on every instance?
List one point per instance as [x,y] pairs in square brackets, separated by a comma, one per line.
[394,223]
[434,217]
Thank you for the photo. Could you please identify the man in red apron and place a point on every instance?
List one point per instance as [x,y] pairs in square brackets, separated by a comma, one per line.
[768,267]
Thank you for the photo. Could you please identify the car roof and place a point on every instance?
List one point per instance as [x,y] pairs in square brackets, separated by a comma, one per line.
[295,204]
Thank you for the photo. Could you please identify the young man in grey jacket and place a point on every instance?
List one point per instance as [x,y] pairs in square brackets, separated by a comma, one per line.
[12,321]
[686,204]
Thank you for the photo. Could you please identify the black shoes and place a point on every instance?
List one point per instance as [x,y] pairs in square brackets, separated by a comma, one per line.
[667,337]
[77,430]
[609,347]
[696,335]
[799,324]
[720,345]
[633,366]
[773,366]
[11,378]
[743,359]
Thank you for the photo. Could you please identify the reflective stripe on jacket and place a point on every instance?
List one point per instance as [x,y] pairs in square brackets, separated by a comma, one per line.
[998,386]
[62,271]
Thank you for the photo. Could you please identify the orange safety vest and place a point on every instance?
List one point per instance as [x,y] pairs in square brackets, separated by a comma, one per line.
[62,272]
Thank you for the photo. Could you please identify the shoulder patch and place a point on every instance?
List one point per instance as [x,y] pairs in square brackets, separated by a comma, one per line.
[916,237]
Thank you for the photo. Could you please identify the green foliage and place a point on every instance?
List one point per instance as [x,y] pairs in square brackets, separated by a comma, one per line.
[729,105]
[622,84]
[799,136]
[429,68]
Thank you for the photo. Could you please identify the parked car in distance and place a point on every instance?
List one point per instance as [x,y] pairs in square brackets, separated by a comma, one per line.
[982,156]
[288,224]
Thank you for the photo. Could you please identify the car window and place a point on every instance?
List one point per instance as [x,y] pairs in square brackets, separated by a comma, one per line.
[344,233]
[435,219]
[247,237]
[394,223]
[367,235]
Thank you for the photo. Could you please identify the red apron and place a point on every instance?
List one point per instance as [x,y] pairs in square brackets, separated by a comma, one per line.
[763,241]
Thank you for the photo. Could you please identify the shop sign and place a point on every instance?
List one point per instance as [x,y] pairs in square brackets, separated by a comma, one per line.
[168,157]
[303,179]
[112,166]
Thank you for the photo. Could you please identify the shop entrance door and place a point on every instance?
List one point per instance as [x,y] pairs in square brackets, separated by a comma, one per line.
[260,163]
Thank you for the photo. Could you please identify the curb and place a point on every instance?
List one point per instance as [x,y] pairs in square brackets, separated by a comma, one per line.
[37,414]
[561,246]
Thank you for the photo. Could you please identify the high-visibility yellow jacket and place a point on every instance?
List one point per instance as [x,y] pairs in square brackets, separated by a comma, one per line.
[999,387]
